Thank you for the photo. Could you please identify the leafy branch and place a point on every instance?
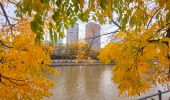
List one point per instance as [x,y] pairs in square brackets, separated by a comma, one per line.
[140,50]
[12,80]
[1,42]
[150,40]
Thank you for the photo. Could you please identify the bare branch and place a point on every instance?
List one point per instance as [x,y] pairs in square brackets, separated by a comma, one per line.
[10,17]
[12,2]
[152,17]
[5,14]
[6,17]
[94,37]
[116,24]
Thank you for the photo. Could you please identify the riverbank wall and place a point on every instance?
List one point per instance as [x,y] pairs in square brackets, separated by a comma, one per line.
[77,63]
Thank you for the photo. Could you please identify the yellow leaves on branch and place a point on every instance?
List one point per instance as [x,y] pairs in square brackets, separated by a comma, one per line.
[23,66]
[141,60]
[163,2]
[108,53]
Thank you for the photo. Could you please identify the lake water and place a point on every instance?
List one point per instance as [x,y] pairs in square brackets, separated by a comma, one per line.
[89,83]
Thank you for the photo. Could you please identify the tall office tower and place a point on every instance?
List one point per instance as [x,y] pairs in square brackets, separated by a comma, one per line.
[72,34]
[93,30]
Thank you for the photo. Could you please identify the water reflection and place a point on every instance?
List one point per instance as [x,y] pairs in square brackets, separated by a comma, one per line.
[85,83]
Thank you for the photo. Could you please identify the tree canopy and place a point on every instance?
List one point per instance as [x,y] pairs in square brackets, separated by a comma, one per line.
[23,64]
[142,57]
[55,15]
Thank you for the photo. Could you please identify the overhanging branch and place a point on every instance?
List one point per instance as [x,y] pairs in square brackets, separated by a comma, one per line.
[6,17]
[152,17]
[93,38]
[12,80]
[1,42]
[116,24]
[12,2]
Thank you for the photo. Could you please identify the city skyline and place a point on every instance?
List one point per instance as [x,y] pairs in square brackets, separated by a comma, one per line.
[104,29]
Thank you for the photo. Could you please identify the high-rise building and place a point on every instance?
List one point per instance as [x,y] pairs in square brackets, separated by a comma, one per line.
[93,35]
[72,34]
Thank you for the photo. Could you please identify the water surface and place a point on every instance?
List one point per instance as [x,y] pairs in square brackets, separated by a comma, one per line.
[87,83]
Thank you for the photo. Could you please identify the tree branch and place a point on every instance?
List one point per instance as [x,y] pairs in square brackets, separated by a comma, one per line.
[116,24]
[11,80]
[150,40]
[5,44]
[102,35]
[10,17]
[6,17]
[12,2]
[140,49]
[3,10]
[94,37]
[152,17]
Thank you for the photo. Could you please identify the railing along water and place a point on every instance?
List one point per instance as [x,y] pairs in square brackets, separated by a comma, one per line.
[159,94]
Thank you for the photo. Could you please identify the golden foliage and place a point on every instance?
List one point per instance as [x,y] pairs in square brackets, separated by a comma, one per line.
[23,64]
[141,60]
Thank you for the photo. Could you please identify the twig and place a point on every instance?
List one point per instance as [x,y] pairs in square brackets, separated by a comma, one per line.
[2,7]
[116,24]
[12,2]
[102,35]
[12,78]
[152,18]
[4,83]
[6,17]
[15,83]
[5,44]
[9,16]
[94,37]
[159,40]
[136,57]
